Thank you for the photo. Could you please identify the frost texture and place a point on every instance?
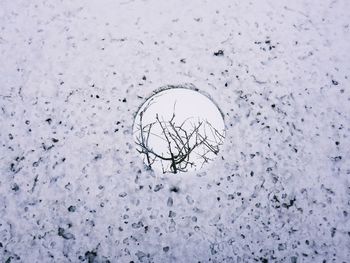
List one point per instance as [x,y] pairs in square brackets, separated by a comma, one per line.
[72,186]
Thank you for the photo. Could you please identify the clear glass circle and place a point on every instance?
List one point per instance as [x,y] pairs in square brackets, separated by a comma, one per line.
[178,130]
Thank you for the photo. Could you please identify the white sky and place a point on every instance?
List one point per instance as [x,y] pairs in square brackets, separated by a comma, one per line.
[188,104]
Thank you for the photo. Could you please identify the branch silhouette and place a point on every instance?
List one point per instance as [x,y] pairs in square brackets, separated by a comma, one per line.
[186,143]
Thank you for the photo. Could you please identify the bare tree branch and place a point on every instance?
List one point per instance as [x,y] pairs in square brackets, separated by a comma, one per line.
[191,142]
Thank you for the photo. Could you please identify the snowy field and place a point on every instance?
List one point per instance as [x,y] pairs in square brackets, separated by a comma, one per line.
[74,73]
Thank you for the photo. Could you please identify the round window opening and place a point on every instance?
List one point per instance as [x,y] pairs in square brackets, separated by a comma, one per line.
[178,130]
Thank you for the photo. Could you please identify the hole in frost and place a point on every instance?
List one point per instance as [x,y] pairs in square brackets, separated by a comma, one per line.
[178,130]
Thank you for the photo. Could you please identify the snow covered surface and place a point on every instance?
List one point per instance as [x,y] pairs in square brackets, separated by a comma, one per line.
[72,186]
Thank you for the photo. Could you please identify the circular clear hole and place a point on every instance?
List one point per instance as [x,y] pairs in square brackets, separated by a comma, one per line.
[178,130]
